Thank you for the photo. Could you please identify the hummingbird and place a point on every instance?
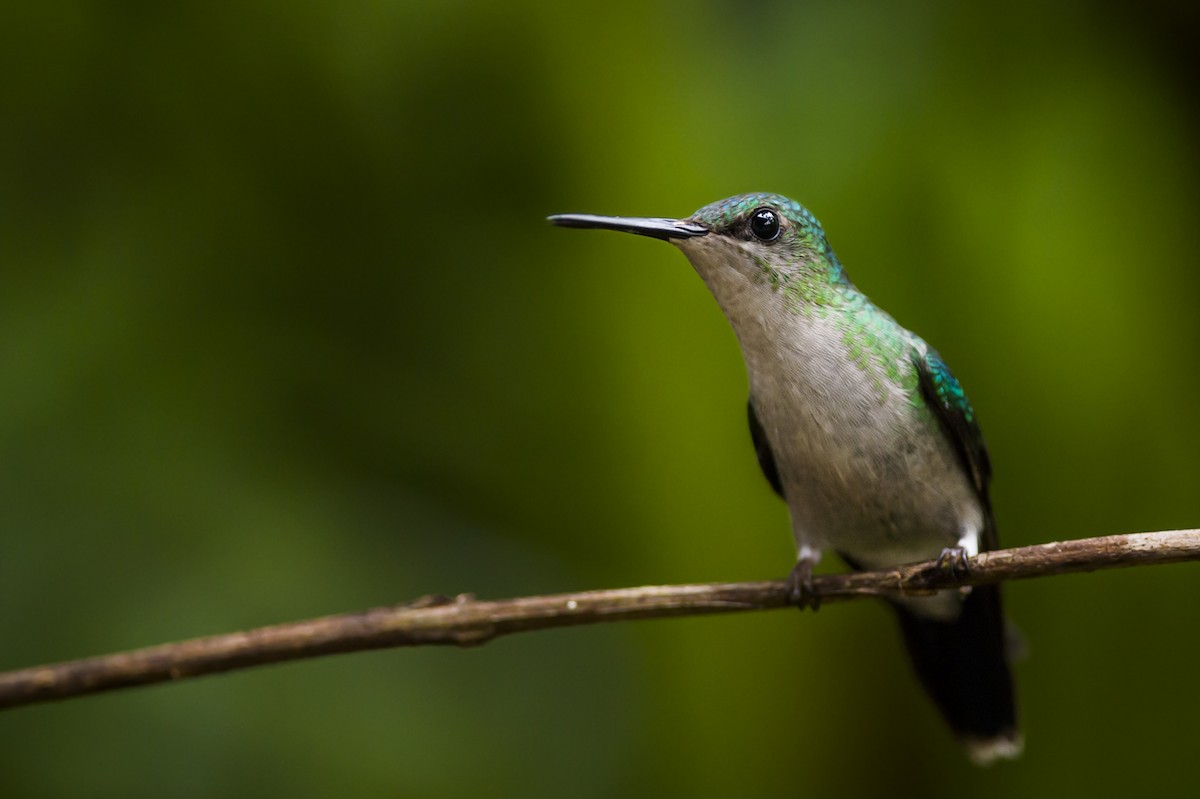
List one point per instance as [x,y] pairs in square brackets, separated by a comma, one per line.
[862,429]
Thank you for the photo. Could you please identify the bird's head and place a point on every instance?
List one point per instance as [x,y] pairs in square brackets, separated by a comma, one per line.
[759,236]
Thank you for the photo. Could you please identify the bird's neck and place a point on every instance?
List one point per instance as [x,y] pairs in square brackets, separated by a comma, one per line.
[801,324]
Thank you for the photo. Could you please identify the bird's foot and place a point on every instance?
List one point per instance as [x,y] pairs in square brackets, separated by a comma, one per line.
[801,592]
[954,560]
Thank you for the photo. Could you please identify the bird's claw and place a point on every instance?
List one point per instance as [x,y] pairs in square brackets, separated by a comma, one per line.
[801,592]
[954,560]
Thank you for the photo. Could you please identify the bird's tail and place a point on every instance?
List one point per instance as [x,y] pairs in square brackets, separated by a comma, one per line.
[963,665]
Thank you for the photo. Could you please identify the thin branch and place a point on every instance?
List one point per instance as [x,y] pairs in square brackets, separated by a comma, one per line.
[465,621]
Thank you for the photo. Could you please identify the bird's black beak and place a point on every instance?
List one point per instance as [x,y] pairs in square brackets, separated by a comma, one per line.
[665,229]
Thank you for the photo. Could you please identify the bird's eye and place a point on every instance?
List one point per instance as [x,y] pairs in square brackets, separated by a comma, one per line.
[764,224]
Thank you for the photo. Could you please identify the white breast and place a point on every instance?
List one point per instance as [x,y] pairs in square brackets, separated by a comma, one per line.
[868,472]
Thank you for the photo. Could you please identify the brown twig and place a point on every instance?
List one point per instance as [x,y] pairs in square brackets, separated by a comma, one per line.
[465,621]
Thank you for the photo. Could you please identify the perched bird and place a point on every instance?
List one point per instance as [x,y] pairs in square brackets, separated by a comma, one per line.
[866,435]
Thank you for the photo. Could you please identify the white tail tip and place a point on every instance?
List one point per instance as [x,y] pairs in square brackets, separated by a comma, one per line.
[984,752]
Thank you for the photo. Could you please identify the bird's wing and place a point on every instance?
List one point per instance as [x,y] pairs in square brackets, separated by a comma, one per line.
[945,396]
[762,448]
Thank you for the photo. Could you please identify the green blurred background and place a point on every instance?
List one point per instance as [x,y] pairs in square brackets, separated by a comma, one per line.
[283,332]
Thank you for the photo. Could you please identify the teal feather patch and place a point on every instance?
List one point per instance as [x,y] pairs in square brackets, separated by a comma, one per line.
[946,388]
